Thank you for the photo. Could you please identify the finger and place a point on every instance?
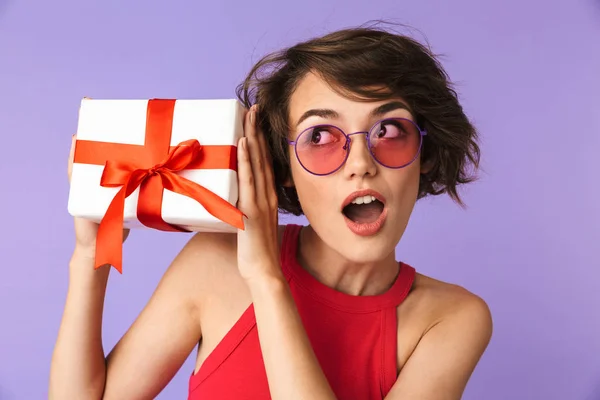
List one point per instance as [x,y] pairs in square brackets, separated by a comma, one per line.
[262,141]
[270,193]
[244,117]
[257,161]
[71,156]
[246,192]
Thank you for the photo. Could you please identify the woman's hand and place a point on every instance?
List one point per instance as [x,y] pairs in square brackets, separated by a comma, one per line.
[258,250]
[85,230]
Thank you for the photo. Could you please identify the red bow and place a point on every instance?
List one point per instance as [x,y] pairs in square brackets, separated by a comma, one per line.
[153,180]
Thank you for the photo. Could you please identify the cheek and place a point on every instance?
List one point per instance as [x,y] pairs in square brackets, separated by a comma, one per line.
[403,185]
[313,191]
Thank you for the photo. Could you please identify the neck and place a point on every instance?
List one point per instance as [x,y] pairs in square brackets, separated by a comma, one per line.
[333,270]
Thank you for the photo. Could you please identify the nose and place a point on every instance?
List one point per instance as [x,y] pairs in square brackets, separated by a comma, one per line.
[359,162]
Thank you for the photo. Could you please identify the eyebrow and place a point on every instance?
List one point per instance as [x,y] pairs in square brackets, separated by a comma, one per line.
[328,113]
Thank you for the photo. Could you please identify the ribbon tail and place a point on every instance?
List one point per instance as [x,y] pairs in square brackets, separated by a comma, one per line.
[215,205]
[109,242]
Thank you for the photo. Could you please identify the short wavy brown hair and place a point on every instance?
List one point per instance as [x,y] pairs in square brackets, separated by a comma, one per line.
[355,61]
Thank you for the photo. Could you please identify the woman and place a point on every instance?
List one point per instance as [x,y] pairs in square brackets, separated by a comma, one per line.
[349,129]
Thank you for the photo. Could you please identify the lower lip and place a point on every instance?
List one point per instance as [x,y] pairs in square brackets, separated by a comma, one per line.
[367,229]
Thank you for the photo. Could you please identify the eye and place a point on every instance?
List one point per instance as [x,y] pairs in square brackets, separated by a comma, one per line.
[390,129]
[321,135]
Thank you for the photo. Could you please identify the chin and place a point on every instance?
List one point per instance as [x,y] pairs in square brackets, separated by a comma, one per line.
[366,248]
[366,254]
[372,248]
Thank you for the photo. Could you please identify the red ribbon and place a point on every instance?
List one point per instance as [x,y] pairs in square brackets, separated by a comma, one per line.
[153,167]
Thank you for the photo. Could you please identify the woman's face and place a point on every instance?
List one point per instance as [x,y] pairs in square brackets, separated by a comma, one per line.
[379,227]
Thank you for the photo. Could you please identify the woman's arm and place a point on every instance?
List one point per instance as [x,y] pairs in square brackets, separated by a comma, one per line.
[148,355]
[78,367]
[292,368]
[293,371]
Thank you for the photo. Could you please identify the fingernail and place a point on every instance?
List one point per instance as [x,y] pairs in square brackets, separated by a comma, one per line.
[252,117]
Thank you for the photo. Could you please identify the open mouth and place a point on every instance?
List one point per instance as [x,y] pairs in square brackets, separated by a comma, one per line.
[364,209]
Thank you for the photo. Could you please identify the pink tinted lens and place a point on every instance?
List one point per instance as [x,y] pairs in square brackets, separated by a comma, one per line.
[321,149]
[395,142]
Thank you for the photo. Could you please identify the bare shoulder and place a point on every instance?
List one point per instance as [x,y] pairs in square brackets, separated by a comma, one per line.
[443,331]
[208,262]
[432,302]
[444,300]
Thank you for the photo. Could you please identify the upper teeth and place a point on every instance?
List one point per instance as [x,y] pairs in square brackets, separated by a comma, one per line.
[363,200]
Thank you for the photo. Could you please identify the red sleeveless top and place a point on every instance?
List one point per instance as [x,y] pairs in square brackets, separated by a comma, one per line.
[354,338]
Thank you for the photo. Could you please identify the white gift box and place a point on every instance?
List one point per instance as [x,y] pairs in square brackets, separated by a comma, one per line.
[211,122]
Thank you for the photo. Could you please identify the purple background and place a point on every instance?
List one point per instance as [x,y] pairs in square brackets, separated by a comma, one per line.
[528,73]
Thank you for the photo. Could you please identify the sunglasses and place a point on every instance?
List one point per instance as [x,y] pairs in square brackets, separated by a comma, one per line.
[392,142]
